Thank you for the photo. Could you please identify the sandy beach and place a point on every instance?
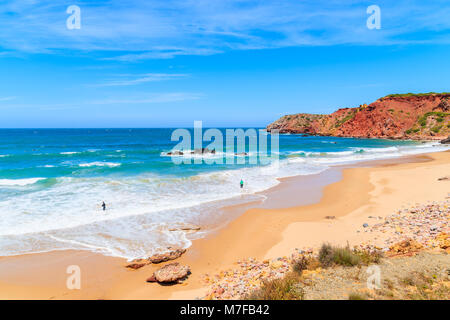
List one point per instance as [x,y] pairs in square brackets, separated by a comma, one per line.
[293,216]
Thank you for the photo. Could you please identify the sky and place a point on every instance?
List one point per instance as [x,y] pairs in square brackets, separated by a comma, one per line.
[228,63]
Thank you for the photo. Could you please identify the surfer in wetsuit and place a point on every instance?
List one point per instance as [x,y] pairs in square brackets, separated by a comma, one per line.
[104,206]
[242,183]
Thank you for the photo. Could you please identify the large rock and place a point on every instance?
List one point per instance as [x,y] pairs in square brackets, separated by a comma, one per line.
[171,272]
[163,257]
[156,258]
[446,141]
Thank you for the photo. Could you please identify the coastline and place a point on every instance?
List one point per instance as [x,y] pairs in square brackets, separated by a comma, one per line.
[376,189]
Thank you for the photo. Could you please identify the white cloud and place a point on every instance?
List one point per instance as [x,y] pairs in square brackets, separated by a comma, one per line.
[7,98]
[130,80]
[152,98]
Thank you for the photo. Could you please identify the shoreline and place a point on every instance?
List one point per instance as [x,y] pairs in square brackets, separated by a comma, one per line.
[260,232]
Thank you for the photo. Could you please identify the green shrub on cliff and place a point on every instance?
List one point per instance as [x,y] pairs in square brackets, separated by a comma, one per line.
[406,95]
[436,129]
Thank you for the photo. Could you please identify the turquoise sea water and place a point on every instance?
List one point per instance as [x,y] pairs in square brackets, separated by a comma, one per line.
[52,183]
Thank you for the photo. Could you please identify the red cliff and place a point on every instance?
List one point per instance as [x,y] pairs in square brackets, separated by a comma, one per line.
[403,116]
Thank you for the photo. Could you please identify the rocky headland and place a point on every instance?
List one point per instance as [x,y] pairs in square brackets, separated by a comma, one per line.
[398,116]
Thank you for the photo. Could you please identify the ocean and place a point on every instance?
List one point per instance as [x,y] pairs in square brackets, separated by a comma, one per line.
[53,182]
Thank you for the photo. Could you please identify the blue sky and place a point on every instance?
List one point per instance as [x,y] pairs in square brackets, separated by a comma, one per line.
[228,63]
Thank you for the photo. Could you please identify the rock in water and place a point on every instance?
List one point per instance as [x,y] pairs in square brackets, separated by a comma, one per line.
[446,141]
[163,257]
[171,272]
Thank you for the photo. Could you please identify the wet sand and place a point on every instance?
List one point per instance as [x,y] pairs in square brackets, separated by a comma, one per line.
[292,216]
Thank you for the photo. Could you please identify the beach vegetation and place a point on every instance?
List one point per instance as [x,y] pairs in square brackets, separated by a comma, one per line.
[305,263]
[406,95]
[345,257]
[368,257]
[333,255]
[425,287]
[348,117]
[300,264]
[436,129]
[438,114]
[356,296]
[326,255]
[286,288]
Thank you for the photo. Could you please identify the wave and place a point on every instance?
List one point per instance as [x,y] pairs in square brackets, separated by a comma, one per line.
[375,150]
[19,182]
[357,154]
[69,211]
[69,152]
[100,164]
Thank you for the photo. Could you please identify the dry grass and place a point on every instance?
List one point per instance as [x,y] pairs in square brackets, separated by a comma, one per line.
[332,255]
[287,288]
[420,286]
[356,296]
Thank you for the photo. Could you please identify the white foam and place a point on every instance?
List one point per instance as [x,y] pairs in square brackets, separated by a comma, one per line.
[100,164]
[19,182]
[377,150]
[68,215]
[69,152]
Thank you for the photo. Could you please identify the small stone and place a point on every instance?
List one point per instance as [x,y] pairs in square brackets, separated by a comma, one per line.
[136,265]
[152,279]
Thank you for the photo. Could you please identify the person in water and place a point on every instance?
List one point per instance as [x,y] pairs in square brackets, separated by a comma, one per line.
[242,183]
[104,206]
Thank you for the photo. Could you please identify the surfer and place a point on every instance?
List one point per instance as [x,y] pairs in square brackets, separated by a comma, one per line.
[104,206]
[242,183]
